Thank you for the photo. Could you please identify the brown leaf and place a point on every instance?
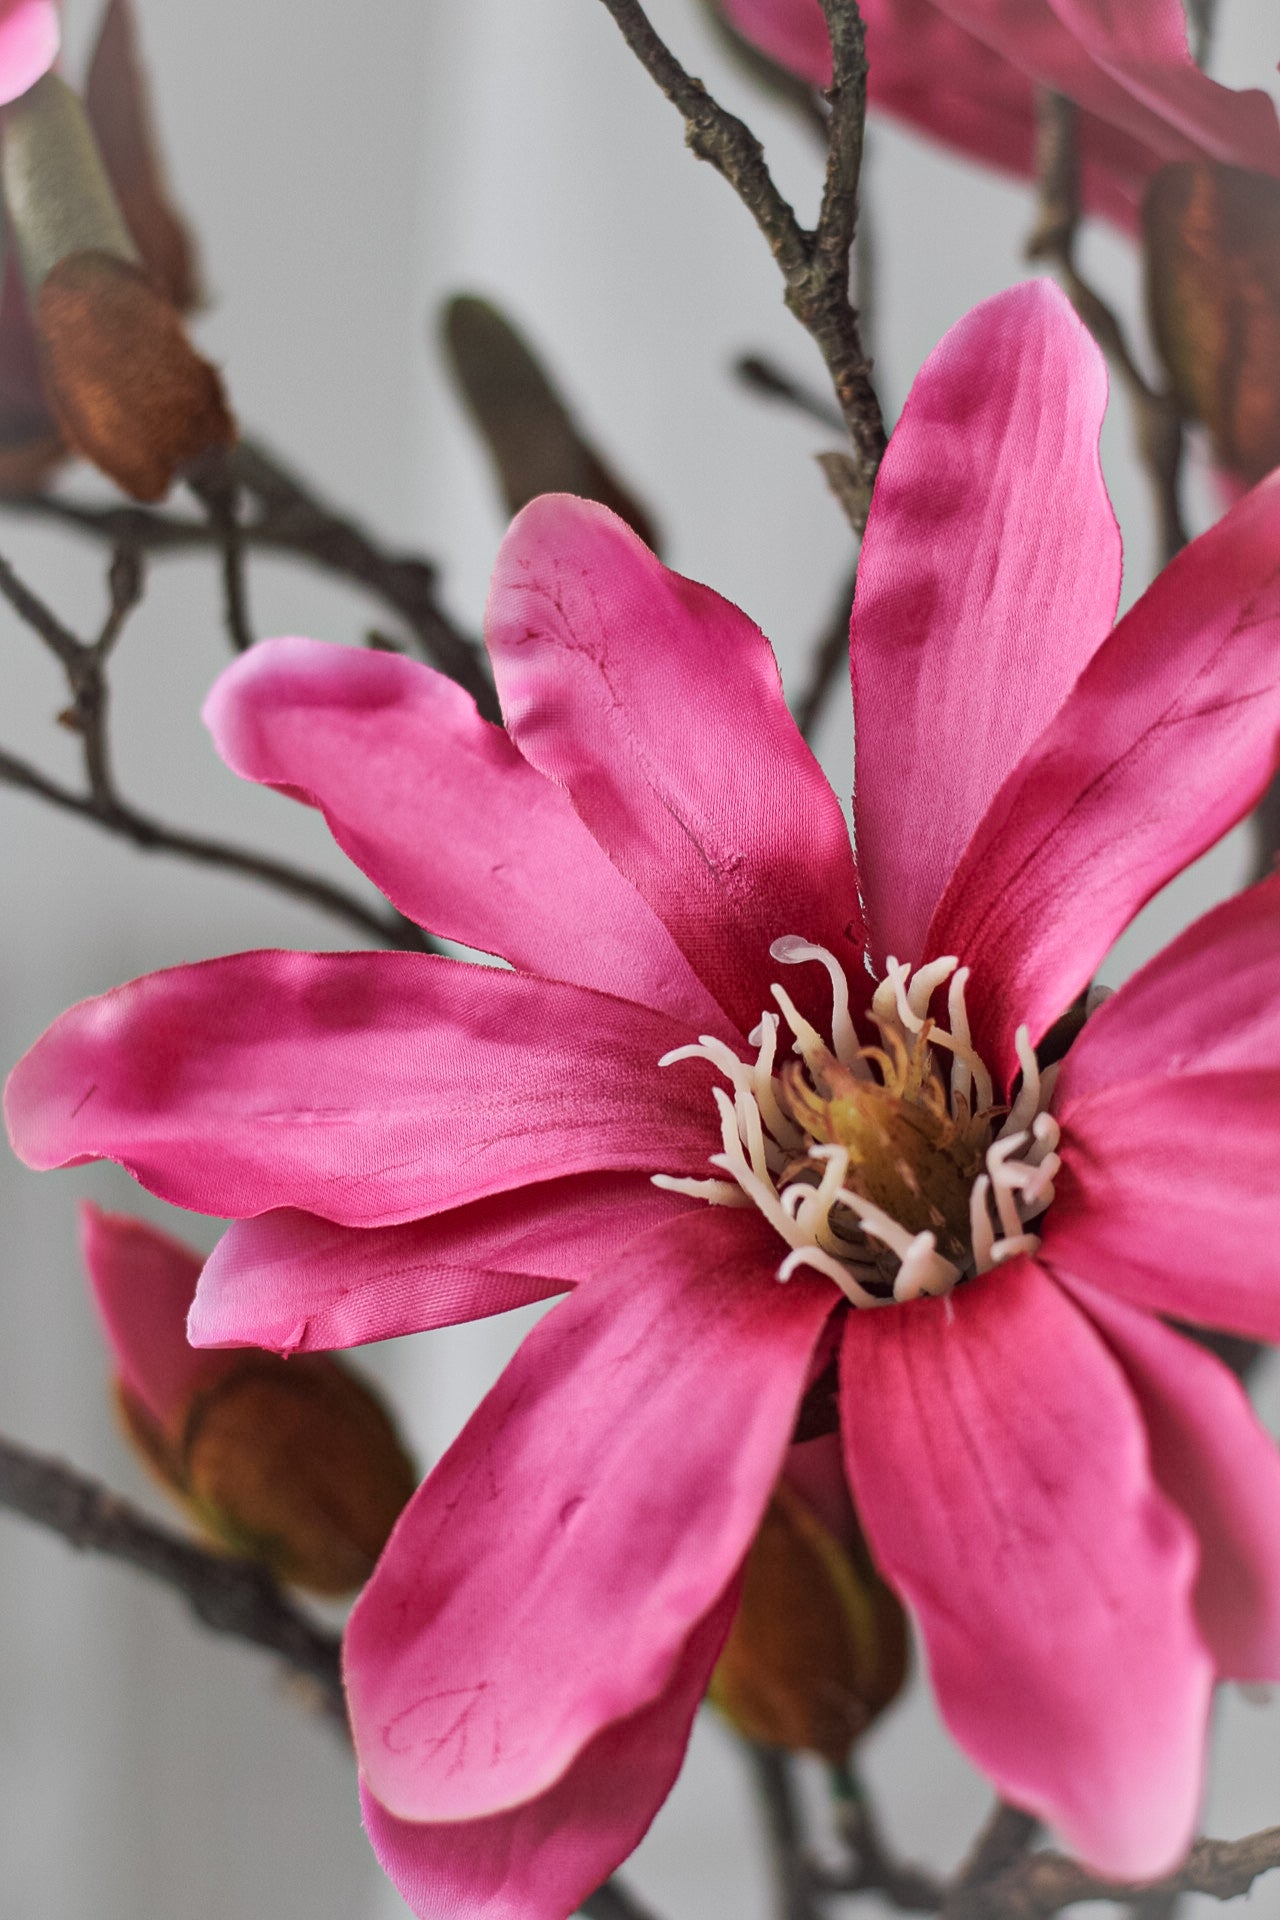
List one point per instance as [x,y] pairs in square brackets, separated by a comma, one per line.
[118,102]
[126,386]
[297,1463]
[818,1647]
[1212,238]
[533,439]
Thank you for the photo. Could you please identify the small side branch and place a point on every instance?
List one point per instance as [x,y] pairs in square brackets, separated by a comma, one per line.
[814,264]
[1159,426]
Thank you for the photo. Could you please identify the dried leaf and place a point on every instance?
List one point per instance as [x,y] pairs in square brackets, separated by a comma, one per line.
[1213,288]
[818,1647]
[297,1463]
[531,434]
[118,103]
[126,386]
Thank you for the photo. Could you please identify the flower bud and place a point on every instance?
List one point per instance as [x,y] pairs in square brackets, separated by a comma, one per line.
[122,380]
[1212,236]
[295,1463]
[818,1648]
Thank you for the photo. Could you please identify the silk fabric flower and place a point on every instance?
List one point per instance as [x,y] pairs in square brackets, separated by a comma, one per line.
[967,71]
[29,38]
[1078,1504]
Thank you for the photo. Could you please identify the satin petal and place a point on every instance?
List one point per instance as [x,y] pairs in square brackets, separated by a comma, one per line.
[142,1283]
[1167,1197]
[540,1860]
[444,815]
[296,1283]
[29,41]
[997,1459]
[542,1583]
[658,706]
[989,576]
[369,1088]
[1166,740]
[1219,1465]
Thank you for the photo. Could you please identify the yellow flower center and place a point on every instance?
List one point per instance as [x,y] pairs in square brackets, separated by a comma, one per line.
[888,1167]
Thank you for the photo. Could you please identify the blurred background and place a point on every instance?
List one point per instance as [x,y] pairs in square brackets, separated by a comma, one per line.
[346,168]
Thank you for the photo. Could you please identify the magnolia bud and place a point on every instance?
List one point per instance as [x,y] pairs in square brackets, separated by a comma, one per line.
[818,1648]
[295,1463]
[1212,237]
[122,380]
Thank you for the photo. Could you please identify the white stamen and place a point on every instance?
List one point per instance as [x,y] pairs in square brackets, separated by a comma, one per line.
[834,1270]
[716,1193]
[766,1038]
[809,1043]
[1003,1181]
[889,1001]
[792,950]
[1027,1104]
[923,1270]
[982,1236]
[925,983]
[958,1019]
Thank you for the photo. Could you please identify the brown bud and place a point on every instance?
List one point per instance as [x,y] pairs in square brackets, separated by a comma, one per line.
[1212,237]
[296,1463]
[125,384]
[818,1648]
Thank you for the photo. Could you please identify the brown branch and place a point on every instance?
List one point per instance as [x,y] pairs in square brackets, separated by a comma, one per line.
[234,1597]
[1156,419]
[85,665]
[814,264]
[1043,1883]
[769,381]
[1004,1839]
[795,1889]
[871,1868]
[614,1901]
[830,655]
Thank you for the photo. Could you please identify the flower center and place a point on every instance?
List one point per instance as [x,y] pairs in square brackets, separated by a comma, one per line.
[888,1167]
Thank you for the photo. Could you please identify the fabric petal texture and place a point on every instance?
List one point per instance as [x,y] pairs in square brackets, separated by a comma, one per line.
[367,1087]
[142,1284]
[997,1458]
[483,1658]
[440,810]
[540,1860]
[603,657]
[989,577]
[294,1283]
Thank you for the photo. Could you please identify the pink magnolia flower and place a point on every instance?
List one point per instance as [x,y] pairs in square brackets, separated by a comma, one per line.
[967,72]
[1077,1503]
[29,38]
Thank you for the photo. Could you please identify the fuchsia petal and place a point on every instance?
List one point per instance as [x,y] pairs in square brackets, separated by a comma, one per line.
[539,1861]
[542,1583]
[791,32]
[997,1459]
[443,814]
[142,1286]
[1167,738]
[1167,1197]
[291,1281]
[29,40]
[366,1087]
[989,576]
[608,667]
[1216,1462]
[1208,1003]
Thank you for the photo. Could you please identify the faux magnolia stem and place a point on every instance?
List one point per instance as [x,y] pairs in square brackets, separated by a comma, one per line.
[814,263]
[1004,1839]
[84,665]
[1041,1884]
[233,1597]
[795,1892]
[1158,423]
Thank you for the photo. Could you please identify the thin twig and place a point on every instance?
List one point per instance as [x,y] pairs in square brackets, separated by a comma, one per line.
[1004,1839]
[766,378]
[219,489]
[1157,421]
[829,656]
[871,1867]
[814,263]
[85,667]
[1043,1883]
[235,1597]
[614,1901]
[795,1892]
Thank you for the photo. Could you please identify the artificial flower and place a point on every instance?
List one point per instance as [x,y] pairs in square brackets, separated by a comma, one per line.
[967,72]
[832,1074]
[29,39]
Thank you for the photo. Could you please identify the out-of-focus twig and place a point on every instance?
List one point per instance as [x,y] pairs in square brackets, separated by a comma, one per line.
[829,656]
[814,263]
[1004,1839]
[1158,423]
[871,1867]
[1041,1884]
[84,664]
[765,377]
[795,1891]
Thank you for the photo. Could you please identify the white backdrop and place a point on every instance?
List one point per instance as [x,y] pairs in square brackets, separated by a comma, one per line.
[347,167]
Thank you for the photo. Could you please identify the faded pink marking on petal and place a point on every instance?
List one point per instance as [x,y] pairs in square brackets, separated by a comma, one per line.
[1219,1465]
[998,1461]
[540,1860]
[658,706]
[142,1283]
[989,576]
[1208,1003]
[1167,1197]
[441,811]
[293,1282]
[544,1580]
[29,41]
[1166,740]
[369,1088]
